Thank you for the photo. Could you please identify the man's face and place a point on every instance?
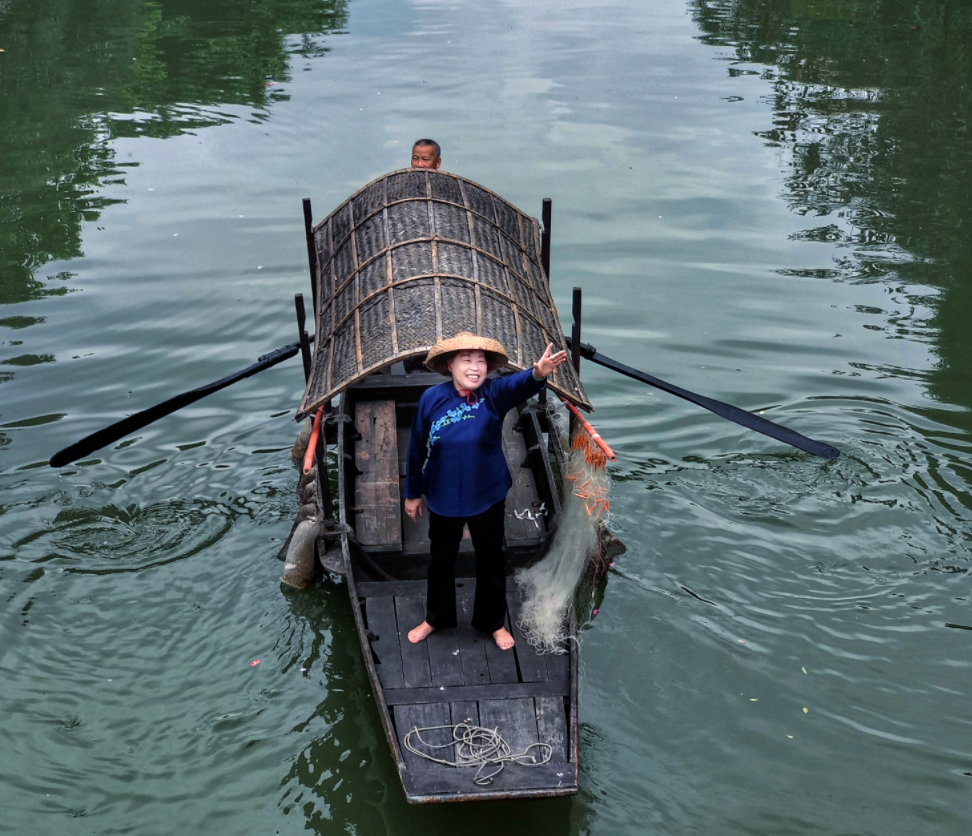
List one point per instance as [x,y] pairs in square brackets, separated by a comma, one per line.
[423,156]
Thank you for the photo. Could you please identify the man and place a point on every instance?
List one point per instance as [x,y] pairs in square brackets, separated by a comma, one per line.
[426,154]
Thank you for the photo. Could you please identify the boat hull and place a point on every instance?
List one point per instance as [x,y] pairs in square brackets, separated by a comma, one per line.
[457,676]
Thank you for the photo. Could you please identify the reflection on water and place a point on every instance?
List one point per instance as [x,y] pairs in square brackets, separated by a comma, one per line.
[763,201]
[860,98]
[82,75]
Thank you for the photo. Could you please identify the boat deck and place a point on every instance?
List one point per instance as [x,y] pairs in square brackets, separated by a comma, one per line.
[457,675]
[460,676]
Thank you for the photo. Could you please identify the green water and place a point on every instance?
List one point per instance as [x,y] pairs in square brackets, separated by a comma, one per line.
[766,201]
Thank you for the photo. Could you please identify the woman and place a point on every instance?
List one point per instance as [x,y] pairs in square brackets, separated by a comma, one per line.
[455,457]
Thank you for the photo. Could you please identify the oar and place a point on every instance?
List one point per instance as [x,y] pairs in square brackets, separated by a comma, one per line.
[113,432]
[732,413]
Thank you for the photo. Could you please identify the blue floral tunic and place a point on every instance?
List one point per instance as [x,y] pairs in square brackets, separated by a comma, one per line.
[455,451]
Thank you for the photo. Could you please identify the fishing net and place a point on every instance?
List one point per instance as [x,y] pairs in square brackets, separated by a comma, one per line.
[548,587]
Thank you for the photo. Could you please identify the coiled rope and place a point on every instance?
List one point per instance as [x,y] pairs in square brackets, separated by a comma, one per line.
[476,746]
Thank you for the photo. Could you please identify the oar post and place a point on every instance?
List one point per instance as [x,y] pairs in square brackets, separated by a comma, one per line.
[305,354]
[575,339]
[545,237]
[545,215]
[311,251]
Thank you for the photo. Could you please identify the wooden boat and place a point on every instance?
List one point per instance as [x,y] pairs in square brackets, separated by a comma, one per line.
[414,256]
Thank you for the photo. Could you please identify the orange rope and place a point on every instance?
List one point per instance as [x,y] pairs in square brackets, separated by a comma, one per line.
[595,436]
[312,444]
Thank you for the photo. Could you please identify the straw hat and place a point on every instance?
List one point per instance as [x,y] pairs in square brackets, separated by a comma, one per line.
[443,350]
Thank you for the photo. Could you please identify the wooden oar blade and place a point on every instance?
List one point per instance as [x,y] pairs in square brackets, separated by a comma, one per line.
[724,410]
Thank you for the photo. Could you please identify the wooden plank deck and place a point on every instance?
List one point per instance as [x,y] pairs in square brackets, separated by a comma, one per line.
[460,676]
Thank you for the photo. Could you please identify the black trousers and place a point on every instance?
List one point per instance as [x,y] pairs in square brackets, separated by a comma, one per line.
[445,535]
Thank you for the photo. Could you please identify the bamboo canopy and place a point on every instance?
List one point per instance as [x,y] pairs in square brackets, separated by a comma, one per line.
[418,255]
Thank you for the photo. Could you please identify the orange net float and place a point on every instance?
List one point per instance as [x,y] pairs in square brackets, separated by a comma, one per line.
[595,436]
[312,443]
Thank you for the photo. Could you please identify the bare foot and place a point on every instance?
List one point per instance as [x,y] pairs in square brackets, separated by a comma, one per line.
[502,637]
[420,633]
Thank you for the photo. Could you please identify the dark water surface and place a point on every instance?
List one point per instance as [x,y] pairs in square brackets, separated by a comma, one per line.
[767,201]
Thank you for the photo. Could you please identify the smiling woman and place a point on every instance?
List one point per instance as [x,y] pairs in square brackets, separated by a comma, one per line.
[464,474]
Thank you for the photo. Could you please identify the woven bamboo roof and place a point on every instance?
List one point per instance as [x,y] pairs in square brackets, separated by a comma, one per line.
[418,255]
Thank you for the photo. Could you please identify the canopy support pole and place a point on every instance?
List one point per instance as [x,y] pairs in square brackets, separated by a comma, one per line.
[545,262]
[545,237]
[575,341]
[311,253]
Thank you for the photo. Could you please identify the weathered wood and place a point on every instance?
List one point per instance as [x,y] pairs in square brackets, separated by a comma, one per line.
[367,589]
[377,495]
[390,589]
[404,434]
[546,484]
[383,637]
[472,648]
[409,613]
[574,720]
[531,664]
[522,497]
[512,690]
[427,715]
[464,712]
[502,663]
[444,661]
[515,719]
[552,726]
[546,217]
[513,782]
[384,713]
[415,535]
[558,669]
[416,381]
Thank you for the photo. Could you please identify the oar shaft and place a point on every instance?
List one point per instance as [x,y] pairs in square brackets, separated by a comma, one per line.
[103,437]
[731,413]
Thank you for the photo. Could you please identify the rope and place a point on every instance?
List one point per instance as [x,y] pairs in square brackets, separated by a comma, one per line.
[476,746]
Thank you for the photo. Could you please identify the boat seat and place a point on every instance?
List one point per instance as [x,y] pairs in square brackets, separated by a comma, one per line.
[377,497]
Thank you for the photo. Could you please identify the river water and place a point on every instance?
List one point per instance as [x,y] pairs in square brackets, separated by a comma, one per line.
[765,201]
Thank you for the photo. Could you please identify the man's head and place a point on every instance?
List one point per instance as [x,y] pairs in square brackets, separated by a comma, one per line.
[426,154]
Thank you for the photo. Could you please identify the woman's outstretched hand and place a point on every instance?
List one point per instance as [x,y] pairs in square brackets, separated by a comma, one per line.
[549,362]
[413,507]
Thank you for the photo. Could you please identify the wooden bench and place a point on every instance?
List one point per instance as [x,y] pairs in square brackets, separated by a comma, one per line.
[377,497]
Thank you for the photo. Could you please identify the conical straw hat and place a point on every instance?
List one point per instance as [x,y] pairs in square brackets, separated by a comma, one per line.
[442,351]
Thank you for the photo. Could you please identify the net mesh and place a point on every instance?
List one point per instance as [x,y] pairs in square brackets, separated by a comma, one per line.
[549,586]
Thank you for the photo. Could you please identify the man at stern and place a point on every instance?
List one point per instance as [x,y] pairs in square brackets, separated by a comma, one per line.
[426,153]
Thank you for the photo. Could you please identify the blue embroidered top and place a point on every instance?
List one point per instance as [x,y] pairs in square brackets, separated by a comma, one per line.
[455,451]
